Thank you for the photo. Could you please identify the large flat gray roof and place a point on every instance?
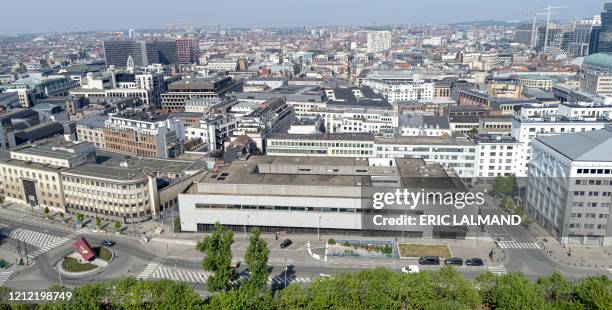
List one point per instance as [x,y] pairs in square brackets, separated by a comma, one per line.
[595,145]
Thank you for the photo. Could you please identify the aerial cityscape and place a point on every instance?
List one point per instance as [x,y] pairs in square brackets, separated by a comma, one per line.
[256,155]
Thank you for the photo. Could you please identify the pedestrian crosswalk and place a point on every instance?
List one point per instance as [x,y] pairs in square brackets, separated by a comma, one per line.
[4,276]
[44,242]
[313,245]
[499,270]
[155,270]
[180,275]
[518,245]
[150,268]
[280,279]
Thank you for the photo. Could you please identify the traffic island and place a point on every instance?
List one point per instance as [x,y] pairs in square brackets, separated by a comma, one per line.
[85,260]
[74,265]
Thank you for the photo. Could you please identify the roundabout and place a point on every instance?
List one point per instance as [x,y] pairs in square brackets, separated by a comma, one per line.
[85,261]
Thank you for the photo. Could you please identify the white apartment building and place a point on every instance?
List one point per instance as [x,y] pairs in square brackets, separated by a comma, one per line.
[395,91]
[526,129]
[357,120]
[214,131]
[268,118]
[378,41]
[497,155]
[454,154]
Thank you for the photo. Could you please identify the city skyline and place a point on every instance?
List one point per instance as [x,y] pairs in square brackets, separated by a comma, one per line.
[133,15]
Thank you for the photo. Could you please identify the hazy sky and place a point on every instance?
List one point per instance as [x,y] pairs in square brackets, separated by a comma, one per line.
[24,16]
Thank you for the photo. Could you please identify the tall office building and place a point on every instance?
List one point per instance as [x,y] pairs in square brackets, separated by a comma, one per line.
[166,52]
[604,38]
[186,50]
[569,186]
[583,30]
[379,41]
[552,43]
[522,34]
[117,52]
[143,53]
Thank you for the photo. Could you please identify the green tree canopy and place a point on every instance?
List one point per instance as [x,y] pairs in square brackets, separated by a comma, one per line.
[218,259]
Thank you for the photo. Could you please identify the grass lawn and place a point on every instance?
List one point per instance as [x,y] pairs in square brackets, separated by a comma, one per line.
[103,253]
[72,265]
[417,250]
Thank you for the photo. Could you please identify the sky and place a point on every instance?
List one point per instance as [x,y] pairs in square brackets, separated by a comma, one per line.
[33,16]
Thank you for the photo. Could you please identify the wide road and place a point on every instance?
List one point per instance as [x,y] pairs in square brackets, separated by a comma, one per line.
[134,258]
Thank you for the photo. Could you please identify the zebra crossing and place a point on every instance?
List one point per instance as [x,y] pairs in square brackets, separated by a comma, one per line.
[313,245]
[44,242]
[280,279]
[518,245]
[155,270]
[180,275]
[499,270]
[150,268]
[4,276]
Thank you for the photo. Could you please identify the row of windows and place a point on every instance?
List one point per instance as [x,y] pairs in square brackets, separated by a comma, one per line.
[587,226]
[272,208]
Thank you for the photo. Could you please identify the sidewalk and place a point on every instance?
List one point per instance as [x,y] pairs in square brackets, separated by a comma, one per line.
[573,255]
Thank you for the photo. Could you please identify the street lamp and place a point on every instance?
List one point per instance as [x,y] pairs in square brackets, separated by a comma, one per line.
[60,276]
[286,267]
[245,226]
[319,229]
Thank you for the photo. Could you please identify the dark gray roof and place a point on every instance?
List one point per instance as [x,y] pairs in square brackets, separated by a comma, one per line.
[424,121]
[93,121]
[593,145]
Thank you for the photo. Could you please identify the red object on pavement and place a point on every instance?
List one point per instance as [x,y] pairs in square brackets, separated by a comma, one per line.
[84,249]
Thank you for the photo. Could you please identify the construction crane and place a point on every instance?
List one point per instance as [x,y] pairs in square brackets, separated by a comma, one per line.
[548,12]
[533,30]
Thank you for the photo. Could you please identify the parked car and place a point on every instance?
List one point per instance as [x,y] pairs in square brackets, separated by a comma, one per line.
[429,260]
[286,243]
[474,262]
[108,242]
[410,269]
[457,261]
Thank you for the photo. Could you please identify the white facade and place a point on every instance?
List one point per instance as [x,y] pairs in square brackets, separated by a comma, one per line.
[378,41]
[402,91]
[526,129]
[498,156]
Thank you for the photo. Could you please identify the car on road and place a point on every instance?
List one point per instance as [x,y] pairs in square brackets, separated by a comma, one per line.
[474,262]
[410,269]
[456,261]
[286,243]
[108,242]
[429,260]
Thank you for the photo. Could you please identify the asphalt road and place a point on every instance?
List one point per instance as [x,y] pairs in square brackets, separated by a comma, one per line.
[132,257]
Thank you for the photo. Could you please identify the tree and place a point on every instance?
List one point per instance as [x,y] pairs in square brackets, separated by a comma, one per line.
[473,131]
[176,224]
[218,259]
[508,204]
[504,185]
[514,291]
[256,257]
[595,292]
[117,225]
[80,217]
[46,211]
[555,288]
[98,222]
